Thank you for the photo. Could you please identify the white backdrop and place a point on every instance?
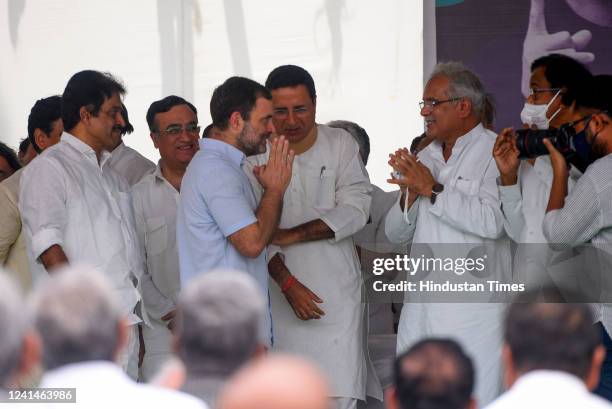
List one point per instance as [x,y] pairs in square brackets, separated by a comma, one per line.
[366,57]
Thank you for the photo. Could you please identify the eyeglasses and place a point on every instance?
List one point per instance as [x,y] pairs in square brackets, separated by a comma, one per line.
[432,103]
[533,91]
[174,130]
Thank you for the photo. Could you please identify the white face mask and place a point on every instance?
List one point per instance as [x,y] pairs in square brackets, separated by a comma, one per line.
[536,114]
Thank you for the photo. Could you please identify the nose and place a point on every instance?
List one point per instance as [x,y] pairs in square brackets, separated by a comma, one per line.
[426,110]
[531,99]
[120,120]
[290,118]
[270,128]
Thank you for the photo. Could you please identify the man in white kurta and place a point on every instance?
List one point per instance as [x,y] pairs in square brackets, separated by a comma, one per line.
[173,124]
[319,313]
[458,171]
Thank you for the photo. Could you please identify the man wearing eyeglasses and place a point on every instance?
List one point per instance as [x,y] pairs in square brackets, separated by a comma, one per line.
[315,290]
[450,203]
[220,223]
[584,215]
[173,123]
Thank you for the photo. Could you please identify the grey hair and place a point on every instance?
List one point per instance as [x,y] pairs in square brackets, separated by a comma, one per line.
[358,133]
[462,83]
[77,317]
[15,320]
[221,315]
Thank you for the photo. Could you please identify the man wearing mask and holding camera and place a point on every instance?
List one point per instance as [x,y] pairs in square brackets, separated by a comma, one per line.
[556,85]
[585,214]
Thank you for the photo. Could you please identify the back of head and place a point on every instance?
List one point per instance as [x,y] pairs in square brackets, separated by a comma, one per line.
[10,157]
[220,320]
[463,83]
[551,336]
[87,89]
[14,321]
[358,133]
[434,374]
[77,317]
[164,105]
[291,76]
[563,72]
[276,382]
[236,94]
[42,115]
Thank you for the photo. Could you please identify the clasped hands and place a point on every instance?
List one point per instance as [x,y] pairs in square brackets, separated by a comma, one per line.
[415,177]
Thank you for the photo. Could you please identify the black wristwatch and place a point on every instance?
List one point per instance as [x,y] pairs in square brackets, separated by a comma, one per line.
[435,191]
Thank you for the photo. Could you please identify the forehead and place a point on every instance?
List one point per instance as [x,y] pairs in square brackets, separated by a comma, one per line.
[436,87]
[262,108]
[538,77]
[178,114]
[291,96]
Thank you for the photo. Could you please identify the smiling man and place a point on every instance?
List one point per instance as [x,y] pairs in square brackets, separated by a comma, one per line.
[173,123]
[452,198]
[220,224]
[316,301]
[75,208]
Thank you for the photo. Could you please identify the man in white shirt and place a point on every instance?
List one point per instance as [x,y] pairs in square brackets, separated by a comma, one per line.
[452,206]
[83,331]
[45,128]
[317,308]
[552,357]
[173,123]
[76,209]
[126,161]
[556,85]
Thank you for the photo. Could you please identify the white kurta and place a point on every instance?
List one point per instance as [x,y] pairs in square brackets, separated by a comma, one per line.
[467,212]
[330,183]
[130,164]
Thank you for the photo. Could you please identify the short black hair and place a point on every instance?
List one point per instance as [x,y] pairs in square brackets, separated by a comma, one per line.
[42,115]
[10,156]
[291,76]
[599,94]
[439,375]
[24,144]
[562,71]
[359,135]
[206,131]
[553,336]
[89,89]
[236,94]
[128,128]
[165,105]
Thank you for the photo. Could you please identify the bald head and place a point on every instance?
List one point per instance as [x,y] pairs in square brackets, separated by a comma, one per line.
[276,382]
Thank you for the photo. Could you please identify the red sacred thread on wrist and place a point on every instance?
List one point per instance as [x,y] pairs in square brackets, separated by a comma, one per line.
[289,282]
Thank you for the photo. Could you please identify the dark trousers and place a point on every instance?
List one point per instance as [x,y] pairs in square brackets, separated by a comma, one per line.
[604,389]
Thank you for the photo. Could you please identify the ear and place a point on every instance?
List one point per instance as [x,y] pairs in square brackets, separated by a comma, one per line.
[31,355]
[154,137]
[40,138]
[596,124]
[465,108]
[236,122]
[85,115]
[592,378]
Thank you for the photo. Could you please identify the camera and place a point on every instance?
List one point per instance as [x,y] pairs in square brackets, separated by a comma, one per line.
[529,143]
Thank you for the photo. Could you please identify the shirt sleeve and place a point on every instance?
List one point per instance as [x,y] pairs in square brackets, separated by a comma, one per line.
[227,201]
[43,204]
[10,223]
[479,212]
[353,194]
[580,218]
[512,208]
[397,228]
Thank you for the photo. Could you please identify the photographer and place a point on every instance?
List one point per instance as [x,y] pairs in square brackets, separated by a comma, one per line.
[585,215]
[556,87]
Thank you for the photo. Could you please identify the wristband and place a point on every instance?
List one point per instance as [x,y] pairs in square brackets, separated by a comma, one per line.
[289,282]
